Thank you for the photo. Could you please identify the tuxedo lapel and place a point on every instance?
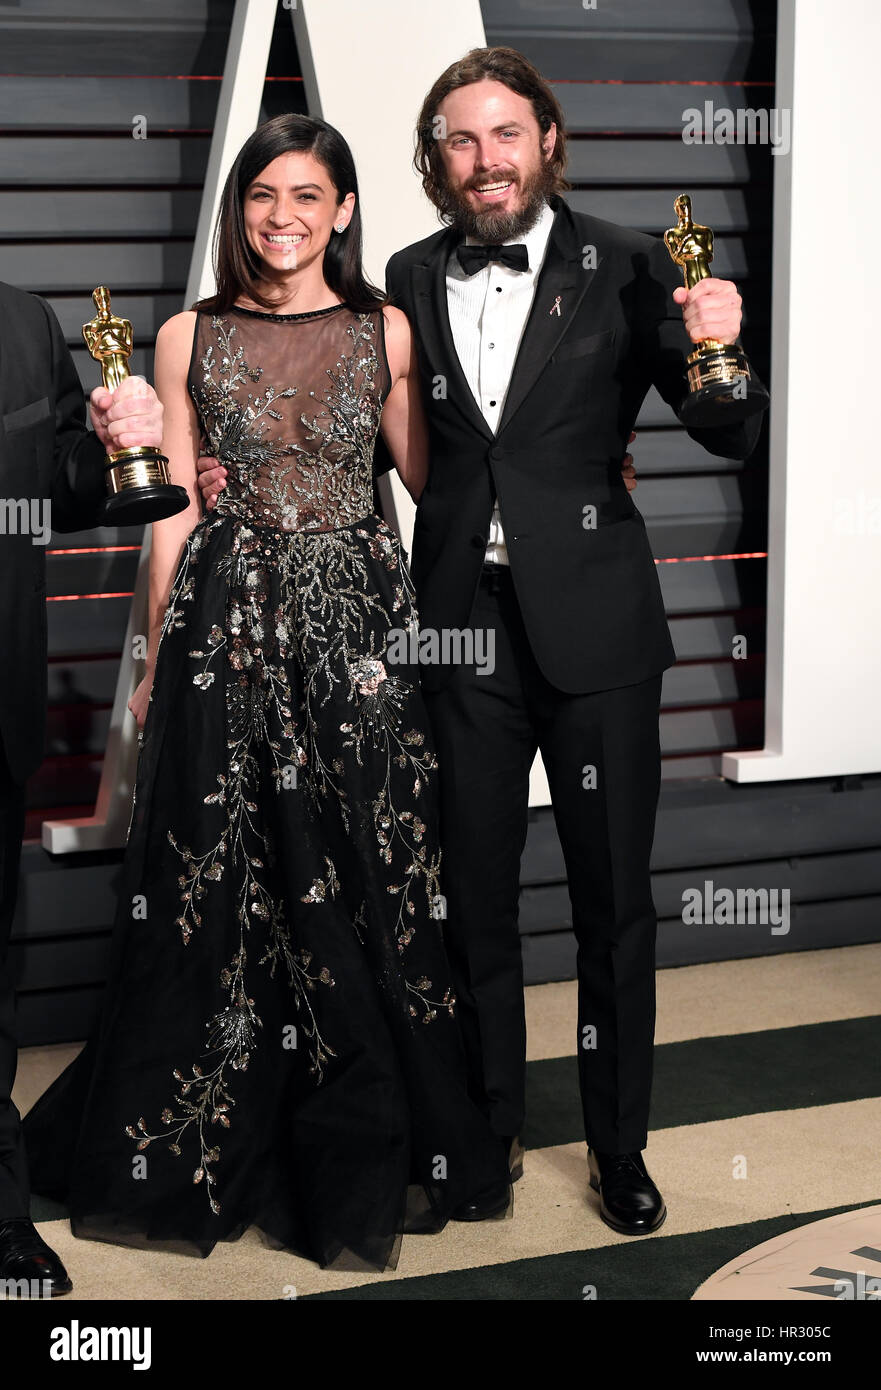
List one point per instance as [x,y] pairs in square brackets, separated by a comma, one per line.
[562,284]
[429,284]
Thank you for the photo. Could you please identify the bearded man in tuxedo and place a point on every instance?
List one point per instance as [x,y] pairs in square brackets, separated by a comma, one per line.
[540,331]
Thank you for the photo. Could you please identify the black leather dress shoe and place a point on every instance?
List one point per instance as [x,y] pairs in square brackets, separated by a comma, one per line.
[26,1259]
[629,1201]
[493,1203]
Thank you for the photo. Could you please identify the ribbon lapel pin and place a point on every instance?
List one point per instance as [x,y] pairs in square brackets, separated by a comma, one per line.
[556,307]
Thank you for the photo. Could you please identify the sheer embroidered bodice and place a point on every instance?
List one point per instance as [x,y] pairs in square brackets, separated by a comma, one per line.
[278,1044]
[299,456]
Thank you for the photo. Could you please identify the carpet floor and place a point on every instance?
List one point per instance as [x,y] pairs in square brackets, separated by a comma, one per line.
[765,1117]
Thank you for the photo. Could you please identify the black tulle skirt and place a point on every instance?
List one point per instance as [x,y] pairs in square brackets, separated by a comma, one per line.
[278,1044]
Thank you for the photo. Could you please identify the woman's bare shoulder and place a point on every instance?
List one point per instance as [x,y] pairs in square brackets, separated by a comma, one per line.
[179,328]
[174,341]
[398,340]
[396,322]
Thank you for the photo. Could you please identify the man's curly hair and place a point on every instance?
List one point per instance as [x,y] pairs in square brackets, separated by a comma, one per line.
[503,65]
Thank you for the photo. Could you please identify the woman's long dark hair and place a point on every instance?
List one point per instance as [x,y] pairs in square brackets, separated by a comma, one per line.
[238,269]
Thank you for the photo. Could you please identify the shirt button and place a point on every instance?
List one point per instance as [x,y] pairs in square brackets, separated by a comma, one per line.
[498,289]
[492,345]
[492,402]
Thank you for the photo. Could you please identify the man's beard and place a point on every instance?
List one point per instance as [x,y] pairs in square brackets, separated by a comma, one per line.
[494,225]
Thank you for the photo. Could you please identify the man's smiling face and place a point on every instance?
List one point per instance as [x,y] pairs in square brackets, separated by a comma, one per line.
[495,161]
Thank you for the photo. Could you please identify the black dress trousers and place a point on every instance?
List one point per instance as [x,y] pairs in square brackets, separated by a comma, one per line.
[13,1169]
[602,756]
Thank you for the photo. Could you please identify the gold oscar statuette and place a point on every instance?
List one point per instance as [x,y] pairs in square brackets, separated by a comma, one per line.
[721,389]
[137,478]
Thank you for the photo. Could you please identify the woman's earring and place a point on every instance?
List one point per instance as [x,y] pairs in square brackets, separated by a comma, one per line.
[340,227]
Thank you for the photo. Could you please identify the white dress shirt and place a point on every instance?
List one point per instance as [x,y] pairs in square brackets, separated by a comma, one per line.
[488,313]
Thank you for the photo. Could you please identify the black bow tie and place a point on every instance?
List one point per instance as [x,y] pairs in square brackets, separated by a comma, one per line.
[474,258]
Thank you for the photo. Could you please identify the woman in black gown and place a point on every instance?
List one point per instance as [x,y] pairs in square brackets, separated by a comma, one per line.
[278,1044]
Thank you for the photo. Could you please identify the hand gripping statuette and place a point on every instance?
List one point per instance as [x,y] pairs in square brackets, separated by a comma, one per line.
[721,389]
[137,478]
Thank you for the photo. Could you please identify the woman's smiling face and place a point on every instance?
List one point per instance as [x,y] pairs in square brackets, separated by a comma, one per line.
[290,211]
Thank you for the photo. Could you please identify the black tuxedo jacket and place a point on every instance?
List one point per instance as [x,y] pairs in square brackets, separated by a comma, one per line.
[589,595]
[46,453]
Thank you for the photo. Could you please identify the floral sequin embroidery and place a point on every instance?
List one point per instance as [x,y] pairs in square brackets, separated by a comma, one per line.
[301,597]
